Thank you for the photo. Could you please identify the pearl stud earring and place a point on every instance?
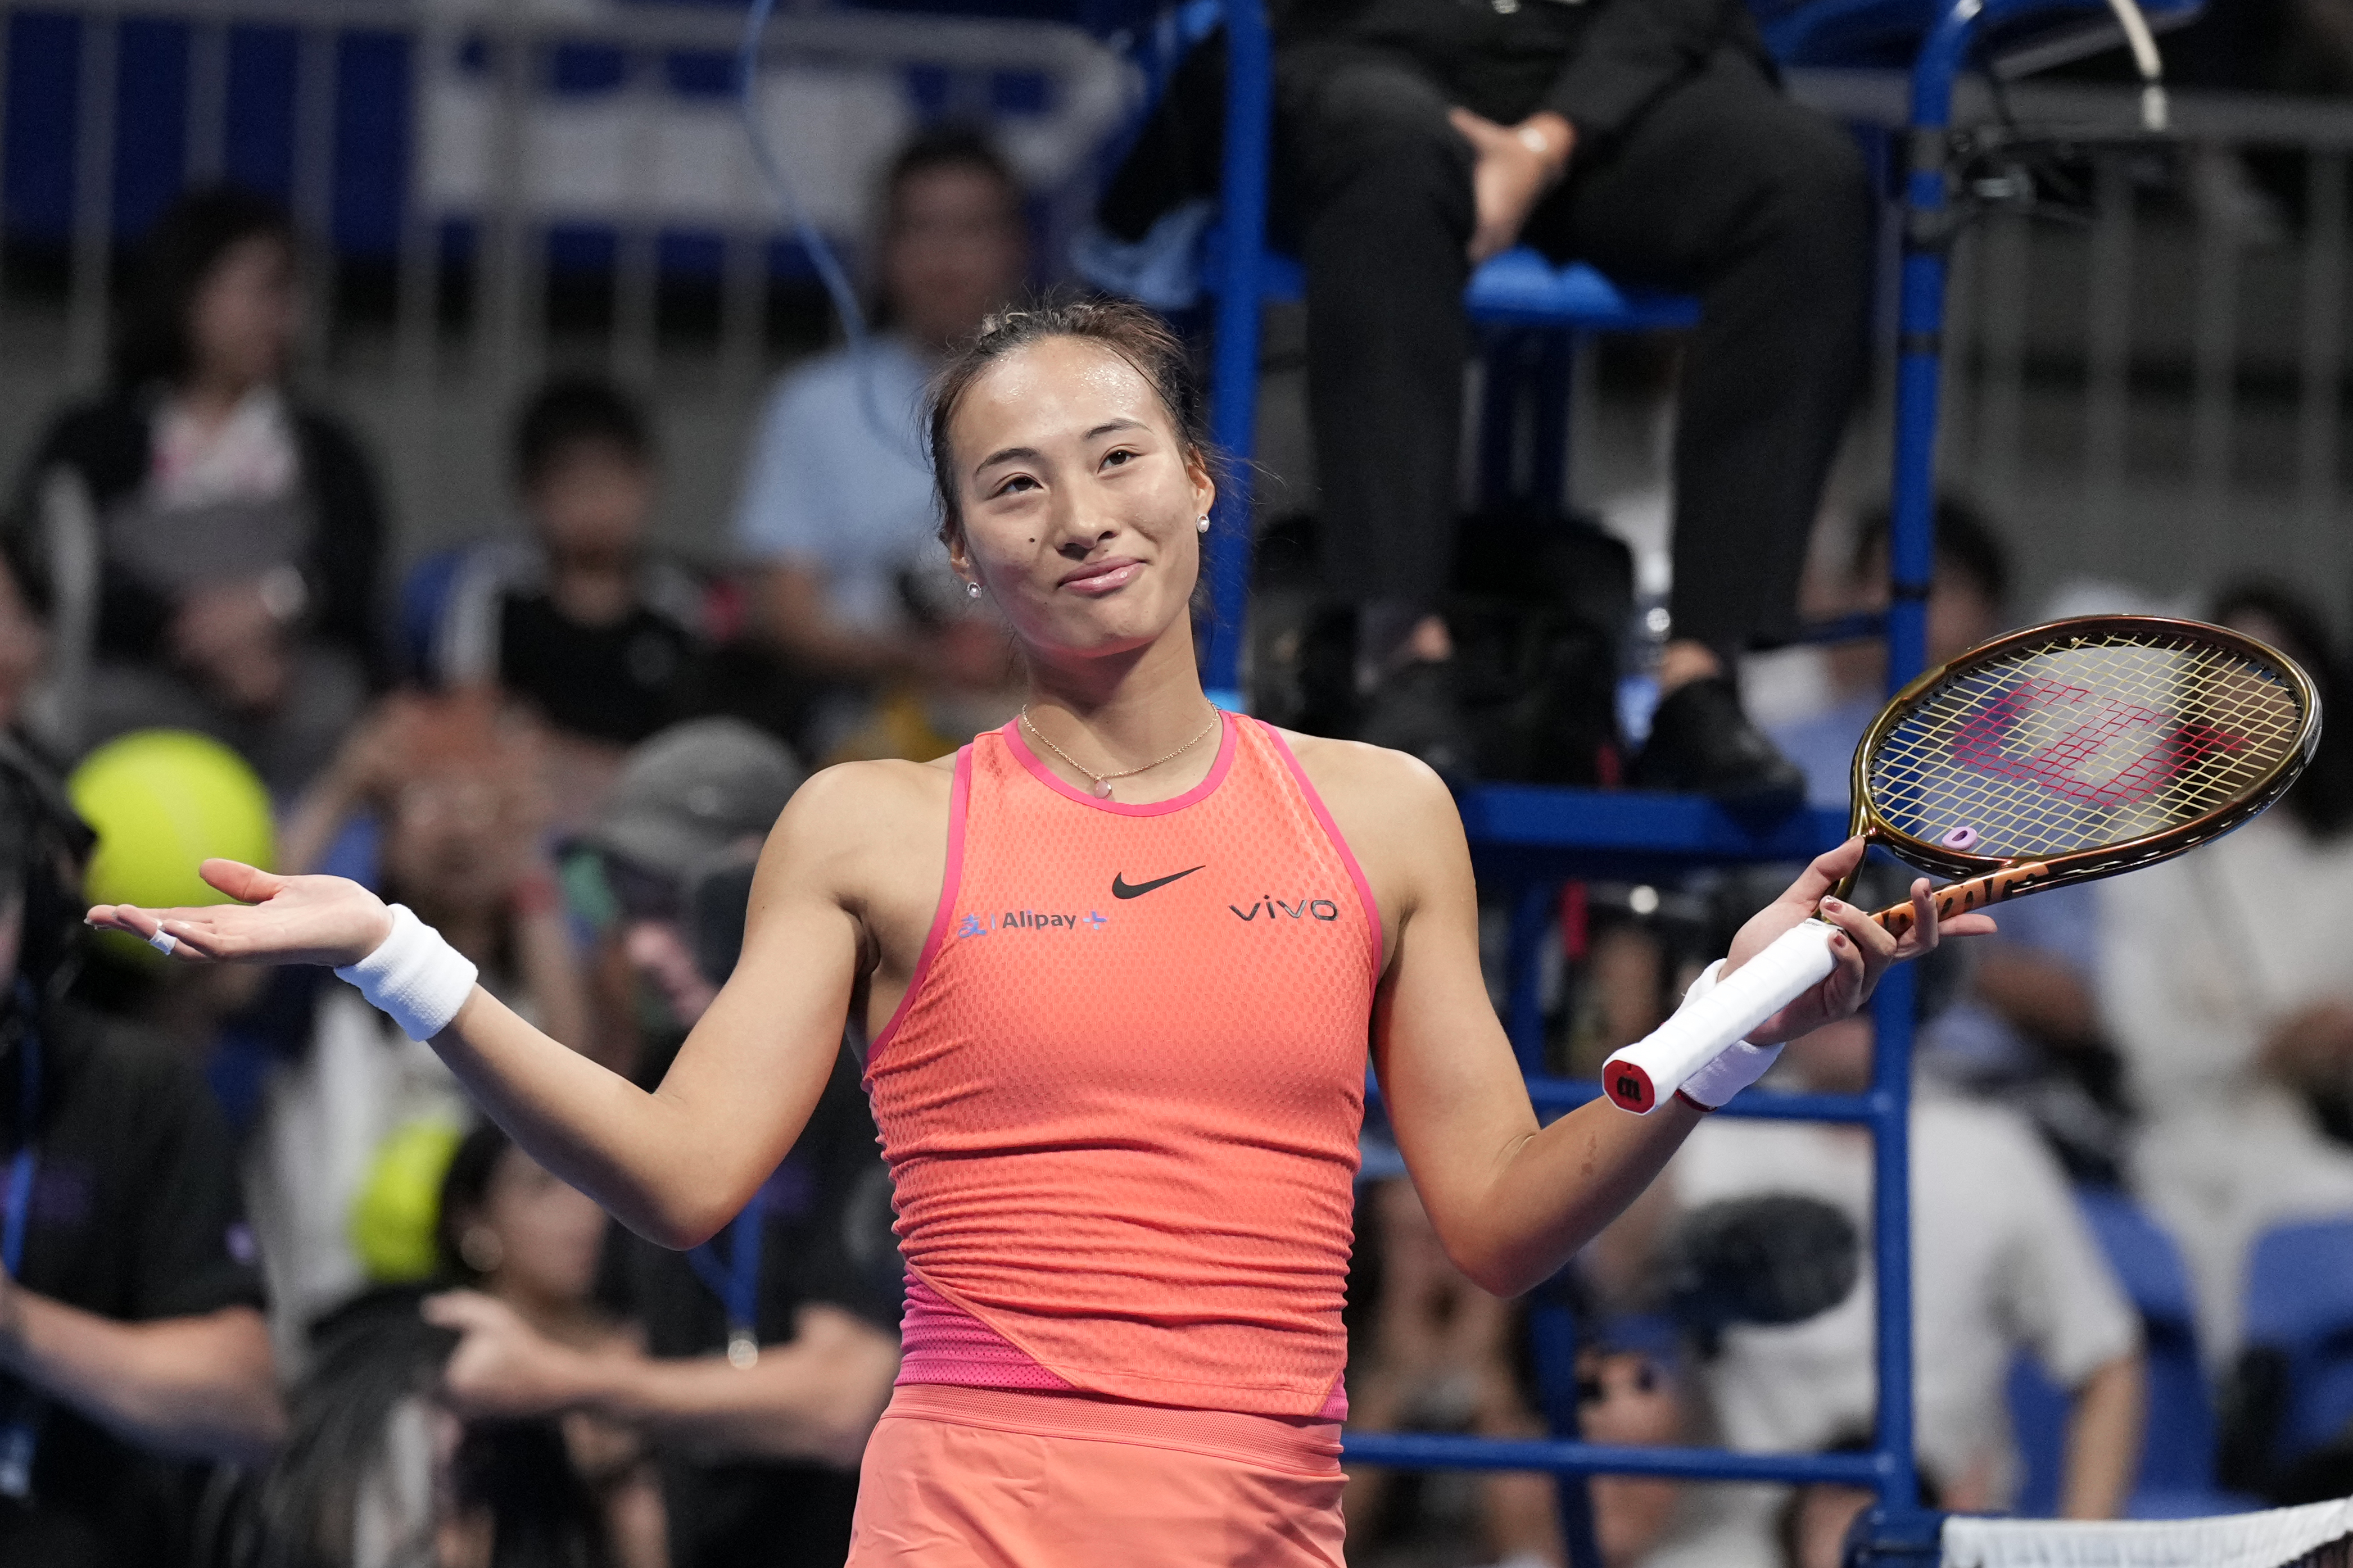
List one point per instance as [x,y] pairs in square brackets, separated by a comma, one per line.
[1202,526]
[972,589]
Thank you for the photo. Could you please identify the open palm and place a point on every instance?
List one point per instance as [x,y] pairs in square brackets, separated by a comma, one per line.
[280,919]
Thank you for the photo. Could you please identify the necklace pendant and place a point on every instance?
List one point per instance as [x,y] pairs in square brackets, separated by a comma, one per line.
[1099,789]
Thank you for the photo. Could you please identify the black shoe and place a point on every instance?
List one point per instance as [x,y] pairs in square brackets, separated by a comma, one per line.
[1701,743]
[1416,710]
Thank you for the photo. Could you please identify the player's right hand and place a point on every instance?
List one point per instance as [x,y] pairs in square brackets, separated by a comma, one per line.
[281,920]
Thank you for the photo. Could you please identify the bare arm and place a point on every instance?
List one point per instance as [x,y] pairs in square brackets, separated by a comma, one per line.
[814,1397]
[203,1386]
[1511,1200]
[675,1164]
[2103,1434]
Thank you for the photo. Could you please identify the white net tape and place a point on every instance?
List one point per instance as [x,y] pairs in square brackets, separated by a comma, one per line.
[2276,1538]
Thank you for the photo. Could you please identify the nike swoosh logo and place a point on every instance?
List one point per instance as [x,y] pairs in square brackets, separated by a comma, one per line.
[1121,889]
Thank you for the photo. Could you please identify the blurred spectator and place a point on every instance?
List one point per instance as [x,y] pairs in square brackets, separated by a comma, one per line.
[23,643]
[525,1247]
[203,546]
[1633,1397]
[2003,1264]
[1437,1354]
[769,1352]
[580,620]
[838,518]
[2224,976]
[451,786]
[1967,603]
[131,1333]
[665,872]
[377,1471]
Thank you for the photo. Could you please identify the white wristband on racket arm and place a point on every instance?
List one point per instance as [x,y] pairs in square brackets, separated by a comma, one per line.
[1735,1067]
[414,976]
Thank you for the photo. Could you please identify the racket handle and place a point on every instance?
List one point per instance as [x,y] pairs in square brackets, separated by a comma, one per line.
[1651,1069]
[1959,898]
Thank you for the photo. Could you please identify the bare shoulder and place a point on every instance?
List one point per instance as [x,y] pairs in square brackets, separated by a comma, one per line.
[1396,814]
[1371,789]
[855,821]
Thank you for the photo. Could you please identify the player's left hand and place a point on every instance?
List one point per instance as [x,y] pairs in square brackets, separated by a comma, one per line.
[1860,947]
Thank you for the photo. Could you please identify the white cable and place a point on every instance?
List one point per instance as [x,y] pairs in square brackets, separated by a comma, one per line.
[2145,58]
[414,976]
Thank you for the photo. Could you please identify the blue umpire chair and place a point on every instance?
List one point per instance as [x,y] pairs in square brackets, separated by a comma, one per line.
[1526,840]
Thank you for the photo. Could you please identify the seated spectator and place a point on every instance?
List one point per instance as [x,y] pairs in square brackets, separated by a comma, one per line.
[132,1337]
[204,546]
[769,1352]
[838,518]
[579,620]
[450,783]
[2003,1263]
[523,1240]
[377,1471]
[2223,975]
[1414,138]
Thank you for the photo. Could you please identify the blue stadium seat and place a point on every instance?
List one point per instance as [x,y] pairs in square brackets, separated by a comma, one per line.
[2175,1479]
[2300,1302]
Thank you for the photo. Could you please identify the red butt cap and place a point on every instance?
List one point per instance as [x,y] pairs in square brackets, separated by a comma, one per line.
[1629,1087]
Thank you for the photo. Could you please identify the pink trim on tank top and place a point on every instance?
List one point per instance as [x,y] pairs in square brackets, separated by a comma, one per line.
[959,796]
[1055,782]
[1339,844]
[940,1343]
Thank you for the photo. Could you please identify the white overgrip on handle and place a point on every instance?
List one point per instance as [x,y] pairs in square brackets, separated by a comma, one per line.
[1651,1069]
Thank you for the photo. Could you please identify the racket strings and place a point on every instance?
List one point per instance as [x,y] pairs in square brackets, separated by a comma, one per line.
[2081,743]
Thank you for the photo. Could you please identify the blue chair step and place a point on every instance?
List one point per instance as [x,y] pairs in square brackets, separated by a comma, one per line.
[1520,288]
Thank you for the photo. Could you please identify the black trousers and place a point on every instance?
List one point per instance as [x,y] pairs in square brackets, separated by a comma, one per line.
[1721,187]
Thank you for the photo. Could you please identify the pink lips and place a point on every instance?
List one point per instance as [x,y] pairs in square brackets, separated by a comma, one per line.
[1103,576]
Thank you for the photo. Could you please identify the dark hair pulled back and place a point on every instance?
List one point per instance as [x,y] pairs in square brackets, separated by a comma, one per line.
[1126,329]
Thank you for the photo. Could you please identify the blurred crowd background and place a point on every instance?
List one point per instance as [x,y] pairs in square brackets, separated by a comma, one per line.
[431,459]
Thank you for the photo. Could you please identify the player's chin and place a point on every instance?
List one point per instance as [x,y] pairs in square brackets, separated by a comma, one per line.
[1107,630]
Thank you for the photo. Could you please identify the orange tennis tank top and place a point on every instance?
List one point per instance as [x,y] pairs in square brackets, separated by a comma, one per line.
[1121,1100]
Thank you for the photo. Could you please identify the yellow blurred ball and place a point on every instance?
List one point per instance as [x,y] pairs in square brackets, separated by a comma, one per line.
[163,801]
[399,1204]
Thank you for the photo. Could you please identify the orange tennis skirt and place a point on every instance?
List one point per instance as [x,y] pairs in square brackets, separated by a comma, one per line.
[986,1477]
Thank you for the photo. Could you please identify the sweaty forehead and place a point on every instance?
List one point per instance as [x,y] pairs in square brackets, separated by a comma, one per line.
[1052,391]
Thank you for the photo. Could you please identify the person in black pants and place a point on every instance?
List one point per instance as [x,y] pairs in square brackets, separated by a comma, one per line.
[1417,138]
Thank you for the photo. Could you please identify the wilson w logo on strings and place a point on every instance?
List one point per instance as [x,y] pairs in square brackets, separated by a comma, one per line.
[2097,752]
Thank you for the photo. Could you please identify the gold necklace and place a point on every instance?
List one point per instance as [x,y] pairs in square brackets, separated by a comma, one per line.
[1101,787]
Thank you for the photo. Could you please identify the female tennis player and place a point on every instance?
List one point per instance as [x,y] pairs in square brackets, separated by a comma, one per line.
[1114,968]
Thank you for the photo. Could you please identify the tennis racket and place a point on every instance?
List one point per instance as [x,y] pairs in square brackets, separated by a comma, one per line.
[2061,754]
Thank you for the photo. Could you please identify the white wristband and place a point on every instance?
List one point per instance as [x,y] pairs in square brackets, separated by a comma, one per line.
[414,976]
[1736,1067]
